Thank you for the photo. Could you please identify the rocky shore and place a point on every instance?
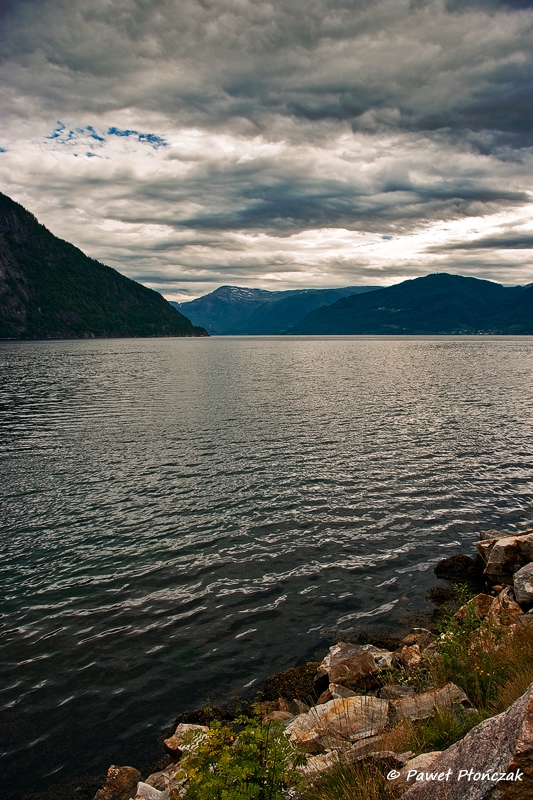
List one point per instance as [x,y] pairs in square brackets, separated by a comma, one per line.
[355,705]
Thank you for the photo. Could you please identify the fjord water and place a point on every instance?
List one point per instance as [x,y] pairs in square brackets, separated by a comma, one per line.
[182,517]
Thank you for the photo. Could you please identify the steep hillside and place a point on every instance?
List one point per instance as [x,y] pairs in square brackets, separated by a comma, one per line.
[232,310]
[434,304]
[50,290]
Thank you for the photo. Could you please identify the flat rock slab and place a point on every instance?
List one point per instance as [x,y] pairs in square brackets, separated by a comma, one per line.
[182,738]
[501,745]
[338,723]
[421,706]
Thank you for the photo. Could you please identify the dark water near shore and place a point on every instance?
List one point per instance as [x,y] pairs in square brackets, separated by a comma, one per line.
[181,518]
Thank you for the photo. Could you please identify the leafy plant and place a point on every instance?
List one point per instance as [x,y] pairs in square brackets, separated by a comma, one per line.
[257,762]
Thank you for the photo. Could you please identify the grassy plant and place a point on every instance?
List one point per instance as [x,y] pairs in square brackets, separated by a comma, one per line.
[438,732]
[359,781]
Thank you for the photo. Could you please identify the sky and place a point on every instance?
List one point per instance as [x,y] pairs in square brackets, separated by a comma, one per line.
[288,144]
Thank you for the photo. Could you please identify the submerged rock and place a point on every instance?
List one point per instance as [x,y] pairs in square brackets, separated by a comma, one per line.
[296,682]
[458,568]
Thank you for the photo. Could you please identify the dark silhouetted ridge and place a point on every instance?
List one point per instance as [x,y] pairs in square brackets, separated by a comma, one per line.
[435,304]
[49,289]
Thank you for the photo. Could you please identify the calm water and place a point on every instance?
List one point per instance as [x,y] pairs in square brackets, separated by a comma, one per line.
[181,518]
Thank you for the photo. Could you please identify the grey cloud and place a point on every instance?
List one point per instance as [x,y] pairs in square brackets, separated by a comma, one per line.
[432,97]
[223,62]
[513,242]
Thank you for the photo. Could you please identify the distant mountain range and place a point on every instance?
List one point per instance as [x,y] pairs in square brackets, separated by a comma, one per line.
[232,311]
[50,290]
[435,304]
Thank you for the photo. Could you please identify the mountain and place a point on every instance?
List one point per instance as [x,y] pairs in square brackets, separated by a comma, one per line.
[50,290]
[231,310]
[435,304]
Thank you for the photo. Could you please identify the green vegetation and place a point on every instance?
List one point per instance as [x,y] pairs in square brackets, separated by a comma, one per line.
[49,289]
[256,762]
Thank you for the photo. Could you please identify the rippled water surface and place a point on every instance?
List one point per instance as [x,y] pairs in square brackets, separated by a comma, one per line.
[181,518]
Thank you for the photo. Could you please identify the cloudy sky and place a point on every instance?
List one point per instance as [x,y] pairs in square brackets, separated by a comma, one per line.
[283,144]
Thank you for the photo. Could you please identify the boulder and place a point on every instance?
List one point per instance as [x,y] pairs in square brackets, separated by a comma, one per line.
[317,765]
[421,763]
[354,664]
[523,585]
[421,706]
[171,779]
[499,746]
[481,603]
[337,723]
[279,716]
[336,691]
[344,651]
[147,792]
[420,636]
[409,657]
[507,556]
[180,740]
[486,536]
[297,707]
[120,784]
[504,610]
[395,691]
[360,749]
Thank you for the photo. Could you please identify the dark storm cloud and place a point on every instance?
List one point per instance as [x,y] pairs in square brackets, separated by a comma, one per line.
[193,129]
[371,64]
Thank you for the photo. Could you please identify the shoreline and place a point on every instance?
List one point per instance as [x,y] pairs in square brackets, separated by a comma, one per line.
[84,787]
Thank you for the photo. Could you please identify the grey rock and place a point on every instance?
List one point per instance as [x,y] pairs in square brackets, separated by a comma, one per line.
[507,556]
[337,723]
[297,707]
[317,765]
[147,792]
[422,706]
[395,691]
[336,691]
[523,585]
[493,534]
[344,651]
[421,763]
[182,738]
[499,745]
